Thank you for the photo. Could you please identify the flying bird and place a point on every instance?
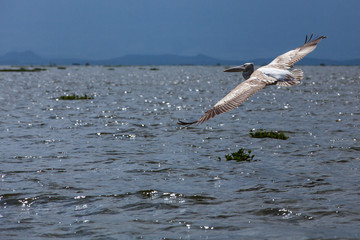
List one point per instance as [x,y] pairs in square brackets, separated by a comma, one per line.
[278,72]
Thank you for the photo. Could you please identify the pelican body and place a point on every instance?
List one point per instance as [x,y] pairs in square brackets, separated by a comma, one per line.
[278,72]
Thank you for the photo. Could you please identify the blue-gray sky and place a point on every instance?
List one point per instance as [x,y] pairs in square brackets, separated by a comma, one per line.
[227,29]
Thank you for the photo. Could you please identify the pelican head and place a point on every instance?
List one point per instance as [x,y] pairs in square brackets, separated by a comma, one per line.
[247,69]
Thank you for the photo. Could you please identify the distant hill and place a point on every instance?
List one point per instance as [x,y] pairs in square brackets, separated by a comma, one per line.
[31,58]
[20,58]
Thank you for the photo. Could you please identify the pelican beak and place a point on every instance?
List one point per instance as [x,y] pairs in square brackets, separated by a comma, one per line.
[236,69]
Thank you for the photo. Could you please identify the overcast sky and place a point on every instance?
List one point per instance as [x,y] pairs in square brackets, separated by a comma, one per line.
[227,29]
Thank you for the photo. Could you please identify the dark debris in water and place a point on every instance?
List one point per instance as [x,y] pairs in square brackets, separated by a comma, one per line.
[261,133]
[240,156]
[75,97]
[147,193]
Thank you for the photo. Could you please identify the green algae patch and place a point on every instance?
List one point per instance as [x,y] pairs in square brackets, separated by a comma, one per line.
[239,156]
[75,97]
[22,69]
[261,133]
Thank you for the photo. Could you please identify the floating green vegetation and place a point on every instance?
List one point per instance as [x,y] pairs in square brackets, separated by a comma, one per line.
[22,69]
[75,97]
[261,133]
[240,156]
[154,69]
[111,69]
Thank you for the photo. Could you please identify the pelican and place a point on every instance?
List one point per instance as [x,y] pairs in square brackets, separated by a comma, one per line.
[278,72]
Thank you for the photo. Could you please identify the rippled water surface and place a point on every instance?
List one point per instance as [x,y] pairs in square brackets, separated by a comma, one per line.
[118,167]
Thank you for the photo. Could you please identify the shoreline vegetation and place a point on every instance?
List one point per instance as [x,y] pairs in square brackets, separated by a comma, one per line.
[23,69]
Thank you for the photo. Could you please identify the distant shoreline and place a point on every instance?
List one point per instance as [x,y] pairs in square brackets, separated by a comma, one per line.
[27,58]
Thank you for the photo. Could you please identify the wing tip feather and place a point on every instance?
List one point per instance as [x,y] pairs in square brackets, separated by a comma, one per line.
[313,38]
[182,123]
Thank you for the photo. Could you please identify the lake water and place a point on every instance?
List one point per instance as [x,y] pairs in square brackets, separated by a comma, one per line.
[118,166]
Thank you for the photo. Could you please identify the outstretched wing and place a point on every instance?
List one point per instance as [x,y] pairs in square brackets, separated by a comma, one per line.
[287,60]
[232,100]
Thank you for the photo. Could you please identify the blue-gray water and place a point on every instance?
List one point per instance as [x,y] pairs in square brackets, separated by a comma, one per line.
[118,166]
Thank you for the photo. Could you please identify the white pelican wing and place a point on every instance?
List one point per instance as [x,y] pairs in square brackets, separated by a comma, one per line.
[232,100]
[287,60]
